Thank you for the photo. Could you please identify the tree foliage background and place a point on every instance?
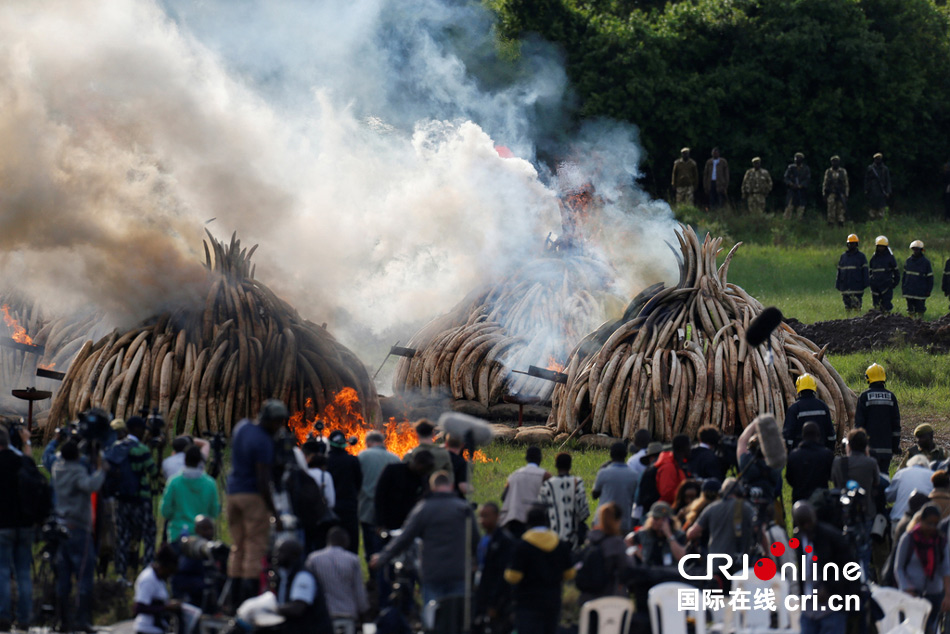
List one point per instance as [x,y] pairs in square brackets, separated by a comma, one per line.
[760,78]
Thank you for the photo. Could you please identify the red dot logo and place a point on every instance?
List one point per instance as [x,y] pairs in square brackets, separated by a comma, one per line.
[778,549]
[807,549]
[764,569]
[814,557]
[793,542]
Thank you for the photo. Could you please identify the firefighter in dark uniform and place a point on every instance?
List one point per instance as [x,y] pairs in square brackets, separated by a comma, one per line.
[918,280]
[808,408]
[852,276]
[885,275]
[879,415]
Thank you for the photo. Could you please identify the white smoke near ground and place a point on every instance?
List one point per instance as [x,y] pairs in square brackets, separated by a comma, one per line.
[354,141]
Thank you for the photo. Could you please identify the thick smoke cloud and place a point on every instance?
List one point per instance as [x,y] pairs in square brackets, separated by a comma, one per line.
[354,141]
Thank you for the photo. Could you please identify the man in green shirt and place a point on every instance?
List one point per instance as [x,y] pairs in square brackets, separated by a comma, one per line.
[189,494]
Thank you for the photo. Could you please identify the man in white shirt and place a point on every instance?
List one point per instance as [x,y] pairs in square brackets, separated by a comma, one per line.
[915,476]
[521,492]
[175,463]
[151,595]
[641,440]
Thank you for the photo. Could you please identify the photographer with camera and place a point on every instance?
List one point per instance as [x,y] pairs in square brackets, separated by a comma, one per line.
[74,486]
[175,463]
[189,494]
[152,604]
[133,480]
[201,566]
[857,465]
[250,504]
[809,465]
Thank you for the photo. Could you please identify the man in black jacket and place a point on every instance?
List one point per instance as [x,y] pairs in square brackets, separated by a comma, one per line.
[493,595]
[347,482]
[879,415]
[441,521]
[853,276]
[539,566]
[820,543]
[400,488]
[809,466]
[808,409]
[884,276]
[704,462]
[918,280]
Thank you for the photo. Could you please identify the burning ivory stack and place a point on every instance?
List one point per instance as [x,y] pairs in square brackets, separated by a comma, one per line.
[532,317]
[208,366]
[678,359]
[31,340]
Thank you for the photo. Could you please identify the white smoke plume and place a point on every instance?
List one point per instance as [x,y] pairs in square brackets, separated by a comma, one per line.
[355,141]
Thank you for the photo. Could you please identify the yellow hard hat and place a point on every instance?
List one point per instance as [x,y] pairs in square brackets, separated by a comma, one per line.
[881,241]
[853,238]
[806,382]
[916,244]
[875,374]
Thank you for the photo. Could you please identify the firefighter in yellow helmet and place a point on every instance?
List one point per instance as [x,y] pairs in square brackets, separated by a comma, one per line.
[808,408]
[885,276]
[853,276]
[918,280]
[878,414]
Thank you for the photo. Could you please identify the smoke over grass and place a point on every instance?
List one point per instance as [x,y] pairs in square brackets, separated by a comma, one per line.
[354,141]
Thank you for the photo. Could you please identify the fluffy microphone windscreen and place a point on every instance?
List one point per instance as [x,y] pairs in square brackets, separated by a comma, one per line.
[762,326]
[460,425]
[771,442]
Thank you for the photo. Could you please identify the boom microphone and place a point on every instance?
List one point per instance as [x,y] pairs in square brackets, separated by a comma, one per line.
[468,428]
[770,441]
[762,326]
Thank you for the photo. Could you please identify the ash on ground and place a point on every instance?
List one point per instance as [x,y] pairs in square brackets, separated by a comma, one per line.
[876,330]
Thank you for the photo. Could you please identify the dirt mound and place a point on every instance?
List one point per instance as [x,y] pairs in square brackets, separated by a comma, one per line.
[875,330]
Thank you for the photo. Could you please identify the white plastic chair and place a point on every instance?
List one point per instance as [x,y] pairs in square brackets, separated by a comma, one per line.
[754,621]
[900,610]
[665,614]
[612,613]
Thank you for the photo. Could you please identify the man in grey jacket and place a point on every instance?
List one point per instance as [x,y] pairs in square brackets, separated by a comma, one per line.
[440,521]
[74,485]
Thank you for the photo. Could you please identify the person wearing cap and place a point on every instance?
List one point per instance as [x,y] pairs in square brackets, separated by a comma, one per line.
[659,542]
[853,276]
[925,446]
[756,185]
[685,178]
[134,516]
[249,503]
[918,280]
[716,179]
[809,465]
[347,482]
[877,187]
[425,432]
[884,275]
[709,493]
[878,413]
[725,526]
[808,408]
[835,190]
[797,183]
[643,500]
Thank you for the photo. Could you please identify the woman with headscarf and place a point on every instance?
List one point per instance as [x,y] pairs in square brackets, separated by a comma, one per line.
[922,566]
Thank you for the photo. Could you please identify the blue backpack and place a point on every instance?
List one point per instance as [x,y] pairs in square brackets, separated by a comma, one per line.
[121,481]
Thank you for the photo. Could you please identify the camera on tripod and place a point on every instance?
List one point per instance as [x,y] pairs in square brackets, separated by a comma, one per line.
[155,425]
[853,505]
[218,442]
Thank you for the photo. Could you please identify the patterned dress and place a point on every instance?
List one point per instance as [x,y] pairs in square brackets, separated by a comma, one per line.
[567,505]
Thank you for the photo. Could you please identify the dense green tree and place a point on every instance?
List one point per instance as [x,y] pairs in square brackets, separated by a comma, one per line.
[761,77]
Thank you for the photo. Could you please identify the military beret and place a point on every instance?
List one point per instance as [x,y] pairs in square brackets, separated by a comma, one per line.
[799,155]
[757,160]
[685,149]
[835,158]
[878,155]
[924,428]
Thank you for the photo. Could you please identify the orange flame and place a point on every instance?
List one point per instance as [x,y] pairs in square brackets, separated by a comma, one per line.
[343,414]
[555,365]
[19,332]
[47,367]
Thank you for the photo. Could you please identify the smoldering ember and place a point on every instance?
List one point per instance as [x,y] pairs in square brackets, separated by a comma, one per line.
[453,316]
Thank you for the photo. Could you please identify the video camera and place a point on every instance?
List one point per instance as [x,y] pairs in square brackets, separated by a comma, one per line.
[155,426]
[852,502]
[195,547]
[726,451]
[93,429]
[218,442]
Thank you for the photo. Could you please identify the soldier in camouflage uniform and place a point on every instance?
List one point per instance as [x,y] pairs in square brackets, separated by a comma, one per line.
[685,178]
[756,185]
[797,180]
[835,189]
[877,187]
